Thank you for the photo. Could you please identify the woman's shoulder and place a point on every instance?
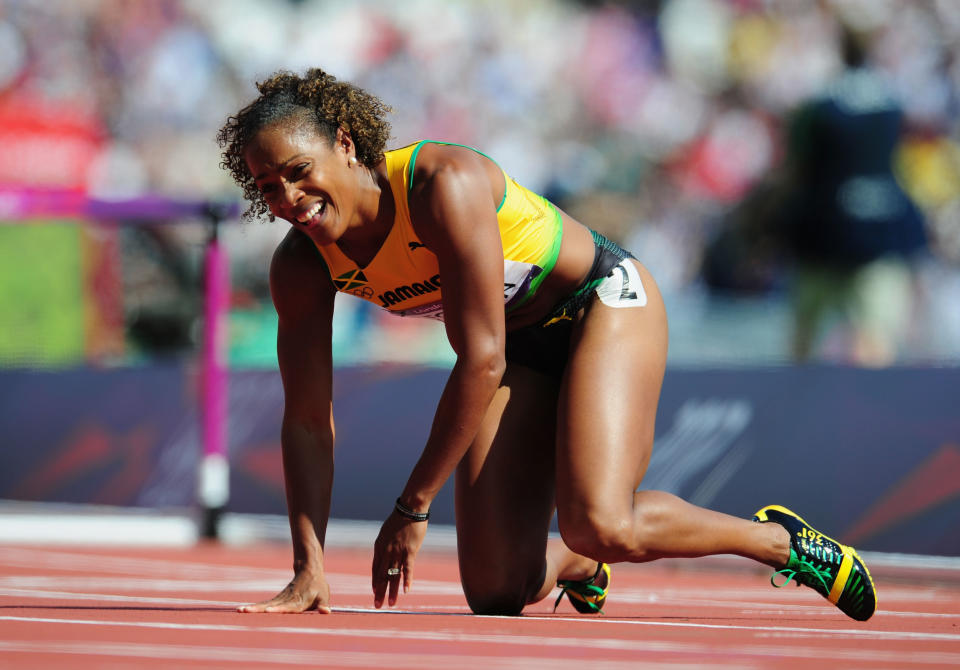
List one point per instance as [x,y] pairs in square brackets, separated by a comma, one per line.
[295,247]
[439,168]
[432,157]
[297,266]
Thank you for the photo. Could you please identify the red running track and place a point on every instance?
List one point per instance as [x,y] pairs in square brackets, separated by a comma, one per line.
[84,608]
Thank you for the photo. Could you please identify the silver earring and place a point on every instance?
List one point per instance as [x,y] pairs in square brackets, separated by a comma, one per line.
[352,161]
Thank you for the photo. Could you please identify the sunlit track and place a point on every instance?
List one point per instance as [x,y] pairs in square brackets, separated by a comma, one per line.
[145,586]
[67,596]
[345,659]
[592,621]
[117,563]
[345,584]
[97,607]
[808,611]
[553,642]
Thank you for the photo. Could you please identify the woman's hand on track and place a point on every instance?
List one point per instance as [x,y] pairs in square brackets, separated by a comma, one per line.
[395,550]
[306,592]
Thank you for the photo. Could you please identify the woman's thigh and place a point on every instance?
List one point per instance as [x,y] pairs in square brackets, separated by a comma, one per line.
[608,405]
[505,492]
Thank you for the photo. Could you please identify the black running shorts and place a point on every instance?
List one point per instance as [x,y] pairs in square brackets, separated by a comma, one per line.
[545,346]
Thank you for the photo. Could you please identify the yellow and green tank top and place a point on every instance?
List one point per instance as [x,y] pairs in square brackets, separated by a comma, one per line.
[404,276]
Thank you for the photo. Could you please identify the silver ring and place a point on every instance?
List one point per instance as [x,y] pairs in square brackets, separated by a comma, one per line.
[393,572]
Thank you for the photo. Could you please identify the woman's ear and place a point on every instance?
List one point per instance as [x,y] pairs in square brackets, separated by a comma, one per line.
[344,142]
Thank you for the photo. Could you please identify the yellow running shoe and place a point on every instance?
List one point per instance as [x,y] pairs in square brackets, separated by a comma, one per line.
[833,570]
[586,595]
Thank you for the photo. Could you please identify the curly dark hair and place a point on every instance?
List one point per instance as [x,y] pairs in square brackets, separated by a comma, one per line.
[316,98]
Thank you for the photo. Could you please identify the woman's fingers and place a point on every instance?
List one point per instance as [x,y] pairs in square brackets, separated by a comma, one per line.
[291,600]
[294,607]
[393,581]
[387,581]
[271,605]
[383,579]
[387,577]
[393,556]
[378,579]
[407,575]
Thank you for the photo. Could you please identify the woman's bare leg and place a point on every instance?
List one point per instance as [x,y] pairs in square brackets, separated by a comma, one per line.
[608,404]
[505,501]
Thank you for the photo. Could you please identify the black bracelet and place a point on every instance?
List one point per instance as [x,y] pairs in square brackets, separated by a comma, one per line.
[408,513]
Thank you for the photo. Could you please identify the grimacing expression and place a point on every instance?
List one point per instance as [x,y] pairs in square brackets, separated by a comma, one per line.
[304,179]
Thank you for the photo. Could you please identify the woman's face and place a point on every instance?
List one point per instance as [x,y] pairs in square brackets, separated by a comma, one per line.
[304,179]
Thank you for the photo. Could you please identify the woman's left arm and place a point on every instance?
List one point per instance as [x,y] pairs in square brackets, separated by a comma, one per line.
[455,216]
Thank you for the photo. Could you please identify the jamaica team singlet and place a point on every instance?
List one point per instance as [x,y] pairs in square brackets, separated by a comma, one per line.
[404,276]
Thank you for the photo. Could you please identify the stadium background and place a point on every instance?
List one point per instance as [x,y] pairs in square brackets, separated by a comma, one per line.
[653,122]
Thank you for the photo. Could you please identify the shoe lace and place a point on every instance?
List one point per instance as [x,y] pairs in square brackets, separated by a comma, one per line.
[805,572]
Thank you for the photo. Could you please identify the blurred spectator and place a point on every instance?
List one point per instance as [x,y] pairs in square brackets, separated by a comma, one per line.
[851,227]
[653,119]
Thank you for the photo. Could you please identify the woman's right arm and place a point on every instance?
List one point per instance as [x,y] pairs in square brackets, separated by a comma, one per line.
[303,296]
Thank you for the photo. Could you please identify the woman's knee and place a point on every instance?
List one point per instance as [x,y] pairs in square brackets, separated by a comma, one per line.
[603,534]
[504,592]
[488,602]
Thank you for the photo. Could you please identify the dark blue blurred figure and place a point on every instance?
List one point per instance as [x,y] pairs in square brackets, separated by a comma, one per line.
[849,225]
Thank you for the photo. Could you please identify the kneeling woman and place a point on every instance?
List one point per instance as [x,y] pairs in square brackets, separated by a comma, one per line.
[561,345]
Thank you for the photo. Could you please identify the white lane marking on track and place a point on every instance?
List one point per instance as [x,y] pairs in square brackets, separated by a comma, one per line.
[69,595]
[104,563]
[346,584]
[35,558]
[818,611]
[310,658]
[120,584]
[763,592]
[742,608]
[342,583]
[164,600]
[853,632]
[74,561]
[593,642]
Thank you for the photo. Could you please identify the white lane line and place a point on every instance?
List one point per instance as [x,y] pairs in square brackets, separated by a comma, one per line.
[855,653]
[126,584]
[342,583]
[70,595]
[760,596]
[166,600]
[765,592]
[745,608]
[309,658]
[819,611]
[814,632]
[211,578]
[38,559]
[633,646]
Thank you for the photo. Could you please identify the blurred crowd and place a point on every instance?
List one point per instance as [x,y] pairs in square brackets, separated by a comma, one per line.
[661,124]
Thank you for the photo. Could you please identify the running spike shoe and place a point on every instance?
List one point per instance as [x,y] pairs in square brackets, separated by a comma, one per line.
[586,595]
[833,570]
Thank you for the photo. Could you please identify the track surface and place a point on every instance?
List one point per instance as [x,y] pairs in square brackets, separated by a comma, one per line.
[87,608]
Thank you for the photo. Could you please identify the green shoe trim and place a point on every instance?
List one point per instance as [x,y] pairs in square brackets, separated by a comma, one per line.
[585,591]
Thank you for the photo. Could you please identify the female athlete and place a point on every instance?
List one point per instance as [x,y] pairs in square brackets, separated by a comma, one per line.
[561,343]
